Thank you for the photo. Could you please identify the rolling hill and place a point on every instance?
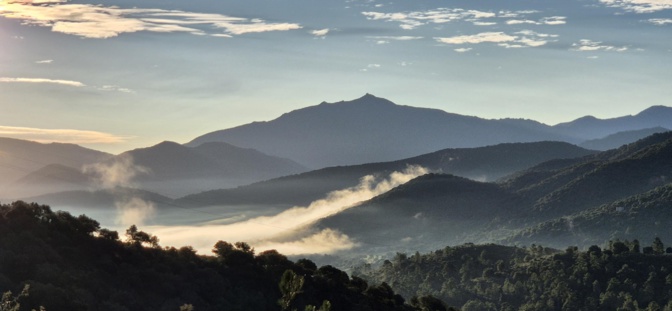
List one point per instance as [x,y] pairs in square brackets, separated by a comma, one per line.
[483,163]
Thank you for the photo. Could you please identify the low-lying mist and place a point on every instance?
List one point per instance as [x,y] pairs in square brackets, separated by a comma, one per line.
[289,231]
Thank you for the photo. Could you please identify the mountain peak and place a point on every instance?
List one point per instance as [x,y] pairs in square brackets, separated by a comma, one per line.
[655,111]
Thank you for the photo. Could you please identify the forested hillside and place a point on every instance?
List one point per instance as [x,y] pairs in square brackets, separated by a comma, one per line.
[625,275]
[70,263]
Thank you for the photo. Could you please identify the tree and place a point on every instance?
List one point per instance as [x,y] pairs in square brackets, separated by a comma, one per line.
[11,303]
[291,285]
[658,246]
[137,237]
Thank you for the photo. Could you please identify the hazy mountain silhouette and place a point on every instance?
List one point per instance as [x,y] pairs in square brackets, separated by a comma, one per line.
[19,158]
[103,198]
[167,168]
[589,127]
[621,138]
[483,163]
[372,129]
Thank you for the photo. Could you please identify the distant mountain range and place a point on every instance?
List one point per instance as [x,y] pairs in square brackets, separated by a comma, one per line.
[372,129]
[484,163]
[167,168]
[621,138]
[19,158]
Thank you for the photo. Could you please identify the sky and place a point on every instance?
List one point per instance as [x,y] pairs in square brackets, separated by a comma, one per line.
[117,75]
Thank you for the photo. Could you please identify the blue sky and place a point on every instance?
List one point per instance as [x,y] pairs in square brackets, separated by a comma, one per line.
[117,75]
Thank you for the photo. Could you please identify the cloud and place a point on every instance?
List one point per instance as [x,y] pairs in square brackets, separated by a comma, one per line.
[289,231]
[462,50]
[60,135]
[585,45]
[46,61]
[320,33]
[133,211]
[96,21]
[387,39]
[115,88]
[521,39]
[118,172]
[640,6]
[478,38]
[412,20]
[660,21]
[41,80]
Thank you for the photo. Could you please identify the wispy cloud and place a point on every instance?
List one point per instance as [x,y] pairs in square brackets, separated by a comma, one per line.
[45,61]
[96,21]
[660,21]
[61,135]
[462,50]
[387,39]
[520,39]
[42,80]
[289,231]
[411,20]
[640,6]
[320,32]
[585,45]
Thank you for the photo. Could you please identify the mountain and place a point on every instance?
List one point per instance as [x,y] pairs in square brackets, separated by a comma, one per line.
[19,158]
[643,216]
[372,129]
[427,212]
[483,163]
[599,178]
[105,199]
[530,206]
[589,127]
[621,138]
[168,168]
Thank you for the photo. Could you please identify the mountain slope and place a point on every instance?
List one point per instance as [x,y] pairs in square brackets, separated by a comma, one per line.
[429,211]
[167,168]
[619,139]
[643,216]
[592,128]
[371,129]
[483,163]
[19,158]
[598,179]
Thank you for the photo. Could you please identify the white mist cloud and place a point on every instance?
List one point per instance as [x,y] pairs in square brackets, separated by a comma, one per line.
[134,211]
[60,135]
[286,230]
[118,172]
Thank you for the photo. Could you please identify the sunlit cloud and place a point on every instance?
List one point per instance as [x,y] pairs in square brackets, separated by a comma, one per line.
[462,50]
[289,231]
[585,45]
[495,37]
[640,6]
[412,20]
[95,21]
[41,80]
[320,32]
[521,39]
[660,21]
[61,135]
[46,61]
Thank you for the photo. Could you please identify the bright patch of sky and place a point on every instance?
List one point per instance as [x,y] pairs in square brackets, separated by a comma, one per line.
[130,74]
